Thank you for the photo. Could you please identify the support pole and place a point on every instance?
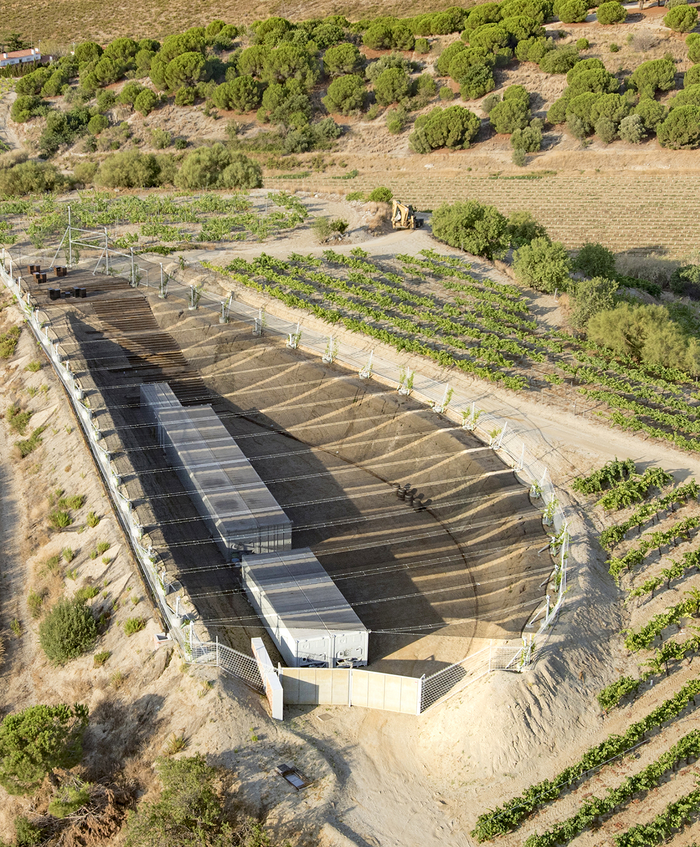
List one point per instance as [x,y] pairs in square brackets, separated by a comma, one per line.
[133,272]
[70,241]
[106,251]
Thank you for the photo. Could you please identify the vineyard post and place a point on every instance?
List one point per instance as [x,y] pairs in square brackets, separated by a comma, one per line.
[106,251]
[133,270]
[70,241]
[366,372]
[521,461]
[499,440]
[163,293]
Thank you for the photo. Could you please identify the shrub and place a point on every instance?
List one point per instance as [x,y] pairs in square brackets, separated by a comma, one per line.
[519,157]
[146,101]
[529,140]
[377,37]
[100,658]
[559,60]
[490,37]
[27,833]
[655,75]
[29,178]
[97,124]
[422,46]
[130,169]
[381,195]
[513,112]
[134,625]
[188,811]
[693,48]
[611,13]
[68,800]
[681,18]
[446,94]
[685,281]
[242,94]
[345,95]
[583,44]
[37,740]
[542,265]
[681,128]
[67,631]
[25,108]
[533,49]
[591,296]
[476,81]
[453,127]
[342,59]
[479,229]
[523,229]
[391,86]
[594,260]
[442,64]
[210,167]
[92,520]
[689,96]
[692,76]
[573,11]
[614,48]
[632,129]
[186,96]
[60,519]
[651,112]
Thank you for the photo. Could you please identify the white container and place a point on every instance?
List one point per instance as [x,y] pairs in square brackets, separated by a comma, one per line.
[307,617]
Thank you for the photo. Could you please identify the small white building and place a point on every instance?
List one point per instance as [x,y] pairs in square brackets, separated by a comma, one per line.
[234,502]
[307,617]
[19,57]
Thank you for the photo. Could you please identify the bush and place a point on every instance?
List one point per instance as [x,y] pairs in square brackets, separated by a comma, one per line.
[381,195]
[533,49]
[611,13]
[591,296]
[26,107]
[583,44]
[446,94]
[97,124]
[681,18]
[242,94]
[377,37]
[692,76]
[559,60]
[644,332]
[573,11]
[454,127]
[693,48]
[651,112]
[422,46]
[476,81]
[146,101]
[342,59]
[37,740]
[681,129]
[391,86]
[67,631]
[632,129]
[129,169]
[68,800]
[189,810]
[133,625]
[689,96]
[479,229]
[685,281]
[513,112]
[655,75]
[523,229]
[594,260]
[614,48]
[345,95]
[186,96]
[529,140]
[542,265]
[217,167]
[29,178]
[27,833]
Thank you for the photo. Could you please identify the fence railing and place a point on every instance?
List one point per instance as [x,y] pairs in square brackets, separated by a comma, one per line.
[370,361]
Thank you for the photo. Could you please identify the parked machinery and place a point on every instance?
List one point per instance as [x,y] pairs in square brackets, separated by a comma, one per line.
[404,217]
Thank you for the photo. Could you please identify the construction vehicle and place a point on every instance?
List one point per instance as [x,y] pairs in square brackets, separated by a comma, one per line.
[404,217]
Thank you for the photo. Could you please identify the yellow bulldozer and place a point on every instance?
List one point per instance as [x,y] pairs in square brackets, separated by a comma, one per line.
[404,217]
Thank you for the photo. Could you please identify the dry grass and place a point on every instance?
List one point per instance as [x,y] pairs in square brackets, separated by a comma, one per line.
[58,24]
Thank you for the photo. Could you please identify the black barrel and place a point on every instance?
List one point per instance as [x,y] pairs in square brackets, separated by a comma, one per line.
[54,293]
